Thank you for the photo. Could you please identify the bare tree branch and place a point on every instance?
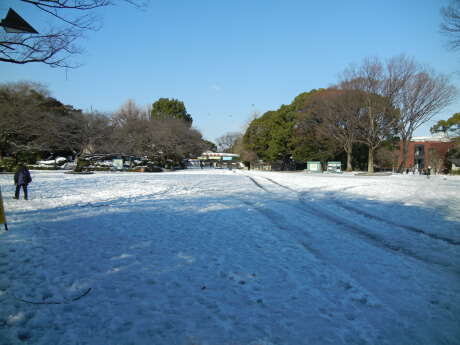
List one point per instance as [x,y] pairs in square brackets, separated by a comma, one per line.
[451,26]
[226,142]
[338,114]
[380,85]
[57,45]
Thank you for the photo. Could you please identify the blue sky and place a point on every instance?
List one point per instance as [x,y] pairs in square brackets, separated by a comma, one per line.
[230,58]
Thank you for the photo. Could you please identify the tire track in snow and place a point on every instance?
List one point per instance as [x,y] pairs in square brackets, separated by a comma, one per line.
[348,279]
[341,289]
[394,282]
[344,280]
[371,215]
[389,222]
[348,227]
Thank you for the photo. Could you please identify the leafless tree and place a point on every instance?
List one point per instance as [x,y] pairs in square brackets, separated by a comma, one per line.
[387,155]
[56,43]
[245,155]
[226,142]
[338,115]
[238,147]
[399,97]
[451,26]
[380,85]
[30,119]
[435,160]
[252,116]
[82,133]
[421,97]
[131,129]
[24,107]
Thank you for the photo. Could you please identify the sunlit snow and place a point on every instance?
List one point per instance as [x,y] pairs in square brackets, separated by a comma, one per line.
[231,257]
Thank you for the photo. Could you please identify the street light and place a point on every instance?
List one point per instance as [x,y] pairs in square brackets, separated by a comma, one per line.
[13,23]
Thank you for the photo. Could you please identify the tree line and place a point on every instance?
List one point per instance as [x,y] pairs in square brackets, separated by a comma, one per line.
[31,121]
[374,104]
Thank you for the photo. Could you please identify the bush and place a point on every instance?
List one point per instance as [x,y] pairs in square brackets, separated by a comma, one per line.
[28,157]
[6,165]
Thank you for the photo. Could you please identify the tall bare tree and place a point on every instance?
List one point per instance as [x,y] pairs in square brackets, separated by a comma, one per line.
[379,85]
[56,43]
[131,129]
[246,155]
[423,96]
[399,97]
[252,116]
[226,142]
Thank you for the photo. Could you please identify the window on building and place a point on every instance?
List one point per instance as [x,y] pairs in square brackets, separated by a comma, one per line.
[419,150]
[419,163]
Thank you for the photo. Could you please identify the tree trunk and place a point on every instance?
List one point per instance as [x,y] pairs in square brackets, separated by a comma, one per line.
[78,164]
[349,162]
[405,150]
[370,162]
[349,152]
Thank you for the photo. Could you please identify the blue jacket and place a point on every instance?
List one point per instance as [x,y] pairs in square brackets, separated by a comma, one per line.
[22,177]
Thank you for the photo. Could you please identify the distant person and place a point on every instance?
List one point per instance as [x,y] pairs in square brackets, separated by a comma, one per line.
[428,172]
[407,170]
[21,179]
[444,174]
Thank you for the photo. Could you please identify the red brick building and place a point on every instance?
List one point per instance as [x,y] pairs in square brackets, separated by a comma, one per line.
[427,152]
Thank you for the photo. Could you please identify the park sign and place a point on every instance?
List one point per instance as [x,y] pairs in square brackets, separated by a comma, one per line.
[314,166]
[2,211]
[334,167]
[117,164]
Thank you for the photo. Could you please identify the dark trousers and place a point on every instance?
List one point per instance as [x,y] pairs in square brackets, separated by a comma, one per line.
[18,188]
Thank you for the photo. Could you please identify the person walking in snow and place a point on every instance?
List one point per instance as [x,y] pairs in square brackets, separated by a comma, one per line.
[444,174]
[21,179]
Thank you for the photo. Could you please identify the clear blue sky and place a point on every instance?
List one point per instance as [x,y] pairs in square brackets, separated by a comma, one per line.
[229,58]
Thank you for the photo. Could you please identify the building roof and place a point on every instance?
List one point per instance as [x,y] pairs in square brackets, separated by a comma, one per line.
[443,137]
[219,154]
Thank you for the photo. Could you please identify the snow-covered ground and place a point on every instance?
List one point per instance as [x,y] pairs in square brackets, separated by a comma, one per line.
[231,257]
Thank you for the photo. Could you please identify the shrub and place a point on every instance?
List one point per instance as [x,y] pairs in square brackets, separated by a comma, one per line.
[6,165]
